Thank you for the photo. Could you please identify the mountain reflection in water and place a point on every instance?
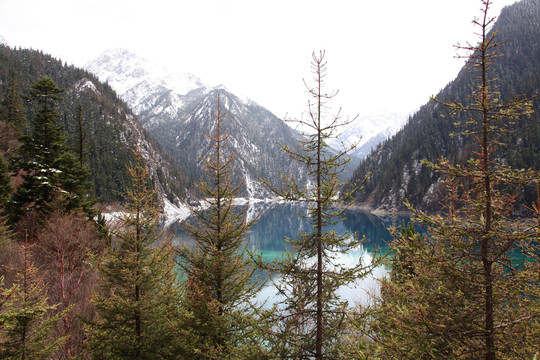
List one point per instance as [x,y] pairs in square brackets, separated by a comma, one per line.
[280,221]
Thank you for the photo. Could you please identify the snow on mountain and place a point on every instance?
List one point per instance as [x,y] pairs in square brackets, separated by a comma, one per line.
[84,85]
[136,79]
[178,111]
[368,131]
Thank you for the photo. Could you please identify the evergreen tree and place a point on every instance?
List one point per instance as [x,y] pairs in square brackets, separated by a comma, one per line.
[220,281]
[12,110]
[5,180]
[49,168]
[12,122]
[136,311]
[312,315]
[81,137]
[473,292]
[26,324]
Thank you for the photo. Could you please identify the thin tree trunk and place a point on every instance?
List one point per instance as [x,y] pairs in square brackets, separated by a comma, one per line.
[138,325]
[486,241]
[318,349]
[81,135]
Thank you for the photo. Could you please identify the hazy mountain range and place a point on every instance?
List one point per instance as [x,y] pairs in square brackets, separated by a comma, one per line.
[177,111]
[129,102]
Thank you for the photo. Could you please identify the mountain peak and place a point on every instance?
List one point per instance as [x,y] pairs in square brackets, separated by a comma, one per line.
[180,114]
[125,71]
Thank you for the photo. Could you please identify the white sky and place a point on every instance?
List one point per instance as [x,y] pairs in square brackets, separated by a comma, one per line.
[383,55]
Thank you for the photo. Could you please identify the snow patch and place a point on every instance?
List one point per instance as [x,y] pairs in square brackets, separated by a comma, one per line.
[380,125]
[85,84]
[113,218]
[174,213]
[134,78]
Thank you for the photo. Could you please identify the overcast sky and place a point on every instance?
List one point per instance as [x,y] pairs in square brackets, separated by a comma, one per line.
[383,55]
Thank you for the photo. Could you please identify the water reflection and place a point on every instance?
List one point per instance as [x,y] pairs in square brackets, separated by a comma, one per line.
[279,221]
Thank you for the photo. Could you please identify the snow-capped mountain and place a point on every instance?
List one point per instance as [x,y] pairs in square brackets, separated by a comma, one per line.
[111,130]
[177,110]
[368,131]
[137,80]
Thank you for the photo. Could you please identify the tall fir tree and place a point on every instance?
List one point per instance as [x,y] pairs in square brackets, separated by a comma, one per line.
[312,314]
[220,279]
[12,123]
[12,110]
[135,303]
[81,135]
[472,289]
[49,168]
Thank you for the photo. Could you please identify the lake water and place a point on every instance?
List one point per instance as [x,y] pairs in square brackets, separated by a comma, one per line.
[279,221]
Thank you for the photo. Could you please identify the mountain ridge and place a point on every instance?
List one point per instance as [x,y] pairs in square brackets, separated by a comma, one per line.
[164,109]
[112,129]
[397,172]
[179,117]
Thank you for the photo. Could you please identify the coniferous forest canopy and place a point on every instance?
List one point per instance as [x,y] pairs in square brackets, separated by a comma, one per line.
[73,286]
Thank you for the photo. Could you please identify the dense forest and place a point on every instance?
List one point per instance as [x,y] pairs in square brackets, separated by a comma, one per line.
[73,286]
[109,128]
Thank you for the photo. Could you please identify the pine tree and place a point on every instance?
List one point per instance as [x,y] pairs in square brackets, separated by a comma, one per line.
[81,137]
[474,288]
[5,183]
[49,168]
[309,275]
[135,317]
[12,123]
[26,323]
[220,281]
[12,109]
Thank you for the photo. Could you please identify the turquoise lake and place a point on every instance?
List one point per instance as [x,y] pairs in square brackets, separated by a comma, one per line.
[279,221]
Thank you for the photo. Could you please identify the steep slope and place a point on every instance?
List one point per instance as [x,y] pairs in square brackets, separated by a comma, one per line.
[396,170]
[177,110]
[255,135]
[146,87]
[111,129]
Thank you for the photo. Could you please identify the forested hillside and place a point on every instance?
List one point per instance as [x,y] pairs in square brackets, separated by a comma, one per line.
[395,166]
[177,110]
[109,128]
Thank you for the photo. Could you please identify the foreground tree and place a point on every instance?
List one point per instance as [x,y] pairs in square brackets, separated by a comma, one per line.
[220,281]
[135,304]
[471,289]
[26,320]
[65,244]
[312,316]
